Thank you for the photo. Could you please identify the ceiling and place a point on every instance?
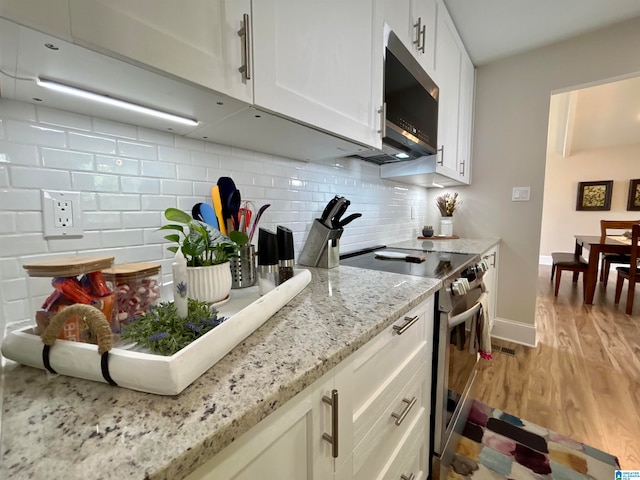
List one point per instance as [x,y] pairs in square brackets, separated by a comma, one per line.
[493,29]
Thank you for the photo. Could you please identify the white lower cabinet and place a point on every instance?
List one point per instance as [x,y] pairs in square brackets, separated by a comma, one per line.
[382,427]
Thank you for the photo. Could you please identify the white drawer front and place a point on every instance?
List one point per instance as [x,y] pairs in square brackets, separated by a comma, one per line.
[411,455]
[378,443]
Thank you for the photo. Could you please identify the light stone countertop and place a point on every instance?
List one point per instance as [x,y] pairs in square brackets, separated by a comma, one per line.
[58,427]
[462,245]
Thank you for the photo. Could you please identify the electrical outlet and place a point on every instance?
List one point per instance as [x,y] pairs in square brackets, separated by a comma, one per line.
[61,214]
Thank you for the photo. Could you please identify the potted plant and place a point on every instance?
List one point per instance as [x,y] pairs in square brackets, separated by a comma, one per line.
[447,204]
[207,252]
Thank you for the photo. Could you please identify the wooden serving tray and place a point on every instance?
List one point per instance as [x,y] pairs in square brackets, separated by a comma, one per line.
[440,237]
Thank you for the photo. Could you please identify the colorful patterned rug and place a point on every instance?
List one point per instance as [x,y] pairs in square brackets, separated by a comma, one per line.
[496,445]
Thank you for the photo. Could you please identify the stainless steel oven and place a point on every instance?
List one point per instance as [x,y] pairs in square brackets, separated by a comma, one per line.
[459,304]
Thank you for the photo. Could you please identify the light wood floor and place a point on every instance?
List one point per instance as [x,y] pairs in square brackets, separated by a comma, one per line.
[583,379]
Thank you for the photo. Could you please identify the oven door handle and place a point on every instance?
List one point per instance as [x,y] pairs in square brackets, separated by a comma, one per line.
[464,316]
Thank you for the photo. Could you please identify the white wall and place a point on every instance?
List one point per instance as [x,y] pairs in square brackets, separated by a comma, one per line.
[129,175]
[509,148]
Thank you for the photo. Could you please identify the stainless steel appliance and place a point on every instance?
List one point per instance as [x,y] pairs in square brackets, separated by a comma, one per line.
[410,110]
[454,362]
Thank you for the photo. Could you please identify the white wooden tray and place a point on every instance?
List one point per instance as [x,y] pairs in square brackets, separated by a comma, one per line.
[138,369]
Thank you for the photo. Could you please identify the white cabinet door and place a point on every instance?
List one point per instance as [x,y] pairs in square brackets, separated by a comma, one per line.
[447,61]
[313,63]
[51,16]
[465,120]
[490,280]
[191,39]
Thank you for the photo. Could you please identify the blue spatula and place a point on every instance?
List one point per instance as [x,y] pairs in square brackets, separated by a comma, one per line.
[209,216]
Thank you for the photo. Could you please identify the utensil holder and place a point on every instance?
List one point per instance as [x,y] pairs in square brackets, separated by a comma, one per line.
[243,267]
[322,248]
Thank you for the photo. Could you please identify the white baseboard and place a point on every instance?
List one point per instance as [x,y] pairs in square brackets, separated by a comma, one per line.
[545,260]
[522,333]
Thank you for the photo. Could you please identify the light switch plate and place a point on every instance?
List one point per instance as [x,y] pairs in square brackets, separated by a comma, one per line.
[521,194]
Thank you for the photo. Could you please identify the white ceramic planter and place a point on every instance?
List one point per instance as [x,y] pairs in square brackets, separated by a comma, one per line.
[446,226]
[209,284]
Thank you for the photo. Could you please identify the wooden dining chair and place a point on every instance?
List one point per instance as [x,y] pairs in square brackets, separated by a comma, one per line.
[630,273]
[571,262]
[609,227]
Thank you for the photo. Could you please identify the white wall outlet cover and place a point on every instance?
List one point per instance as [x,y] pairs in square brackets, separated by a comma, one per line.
[521,194]
[61,214]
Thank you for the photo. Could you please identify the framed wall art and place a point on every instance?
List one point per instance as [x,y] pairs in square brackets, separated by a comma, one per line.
[634,195]
[594,195]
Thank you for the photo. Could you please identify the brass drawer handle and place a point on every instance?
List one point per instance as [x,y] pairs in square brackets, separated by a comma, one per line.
[400,417]
[408,321]
[333,438]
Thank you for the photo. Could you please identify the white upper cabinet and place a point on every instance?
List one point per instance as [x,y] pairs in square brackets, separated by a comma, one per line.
[313,63]
[465,119]
[50,17]
[447,61]
[191,39]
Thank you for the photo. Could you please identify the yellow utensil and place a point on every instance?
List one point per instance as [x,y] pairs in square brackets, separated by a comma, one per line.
[217,208]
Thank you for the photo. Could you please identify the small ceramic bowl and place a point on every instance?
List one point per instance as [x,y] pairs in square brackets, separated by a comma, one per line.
[427,231]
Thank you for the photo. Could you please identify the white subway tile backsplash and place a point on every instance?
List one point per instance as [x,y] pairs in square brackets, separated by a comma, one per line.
[129,175]
[109,127]
[95,182]
[176,187]
[140,185]
[29,222]
[119,202]
[158,169]
[189,172]
[8,222]
[101,220]
[17,110]
[13,289]
[18,154]
[21,132]
[23,177]
[63,119]
[142,219]
[92,143]
[121,166]
[121,238]
[173,155]
[137,150]
[156,137]
[185,143]
[65,159]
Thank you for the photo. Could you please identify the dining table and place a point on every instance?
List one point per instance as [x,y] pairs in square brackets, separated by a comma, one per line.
[618,244]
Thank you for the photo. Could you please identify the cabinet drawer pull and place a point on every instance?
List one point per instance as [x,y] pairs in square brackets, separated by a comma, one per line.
[408,321]
[333,438]
[419,29]
[383,120]
[462,165]
[493,263]
[400,417]
[245,33]
[410,477]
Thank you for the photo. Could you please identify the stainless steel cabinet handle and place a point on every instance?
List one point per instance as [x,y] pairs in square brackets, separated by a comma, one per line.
[408,321]
[400,417]
[410,477]
[419,29]
[383,120]
[462,164]
[245,33]
[333,438]
[493,262]
[441,161]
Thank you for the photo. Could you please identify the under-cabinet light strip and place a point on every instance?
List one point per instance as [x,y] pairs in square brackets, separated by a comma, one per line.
[96,97]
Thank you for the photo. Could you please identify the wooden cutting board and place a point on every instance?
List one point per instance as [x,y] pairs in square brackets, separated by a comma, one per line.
[439,237]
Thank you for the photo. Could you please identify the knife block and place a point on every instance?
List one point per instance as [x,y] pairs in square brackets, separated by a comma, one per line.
[322,248]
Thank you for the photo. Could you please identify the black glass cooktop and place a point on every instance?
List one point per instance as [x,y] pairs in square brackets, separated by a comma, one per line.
[436,265]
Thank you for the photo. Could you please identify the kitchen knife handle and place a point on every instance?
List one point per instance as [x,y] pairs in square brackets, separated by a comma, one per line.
[245,32]
[333,438]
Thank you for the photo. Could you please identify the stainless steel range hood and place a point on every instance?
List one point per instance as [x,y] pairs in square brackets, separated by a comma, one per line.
[26,54]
